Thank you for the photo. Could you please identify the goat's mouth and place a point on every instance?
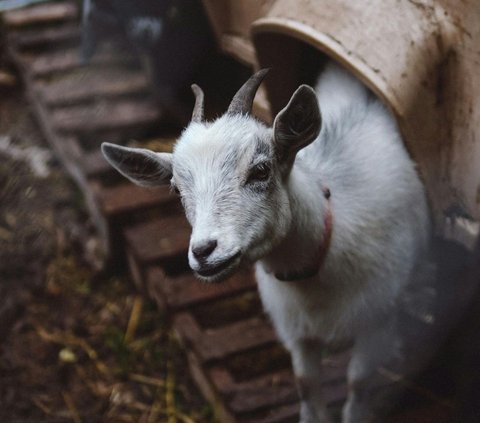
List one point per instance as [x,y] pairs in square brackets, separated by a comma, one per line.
[220,271]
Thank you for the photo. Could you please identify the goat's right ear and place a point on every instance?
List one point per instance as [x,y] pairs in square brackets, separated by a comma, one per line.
[298,124]
[143,167]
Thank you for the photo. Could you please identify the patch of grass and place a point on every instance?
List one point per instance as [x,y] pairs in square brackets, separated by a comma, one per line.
[124,356]
[64,274]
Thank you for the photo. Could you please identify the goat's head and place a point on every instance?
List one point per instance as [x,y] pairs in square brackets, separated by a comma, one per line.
[231,174]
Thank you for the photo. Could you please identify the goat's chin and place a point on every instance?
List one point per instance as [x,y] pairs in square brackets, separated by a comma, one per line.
[222,275]
[218,277]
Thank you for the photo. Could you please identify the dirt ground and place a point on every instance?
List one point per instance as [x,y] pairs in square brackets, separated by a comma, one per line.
[74,345]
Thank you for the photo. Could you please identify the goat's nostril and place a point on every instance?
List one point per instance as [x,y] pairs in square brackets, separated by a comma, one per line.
[205,249]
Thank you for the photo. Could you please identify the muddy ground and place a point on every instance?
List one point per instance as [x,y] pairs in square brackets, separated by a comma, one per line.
[74,345]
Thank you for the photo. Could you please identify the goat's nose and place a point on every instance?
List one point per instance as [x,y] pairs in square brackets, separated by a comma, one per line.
[202,251]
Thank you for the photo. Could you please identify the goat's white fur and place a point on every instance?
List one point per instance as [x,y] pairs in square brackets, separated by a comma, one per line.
[380,219]
[380,228]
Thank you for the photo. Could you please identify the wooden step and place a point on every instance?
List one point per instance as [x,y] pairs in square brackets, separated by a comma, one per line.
[216,344]
[46,13]
[106,115]
[127,198]
[45,37]
[43,65]
[159,240]
[184,291]
[89,84]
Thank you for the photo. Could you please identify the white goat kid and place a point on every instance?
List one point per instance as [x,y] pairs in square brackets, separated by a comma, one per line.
[328,205]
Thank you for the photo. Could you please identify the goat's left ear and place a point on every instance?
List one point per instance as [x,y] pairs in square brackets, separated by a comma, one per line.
[143,167]
[298,124]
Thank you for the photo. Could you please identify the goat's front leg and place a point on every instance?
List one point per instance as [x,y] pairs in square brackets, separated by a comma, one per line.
[368,388]
[307,366]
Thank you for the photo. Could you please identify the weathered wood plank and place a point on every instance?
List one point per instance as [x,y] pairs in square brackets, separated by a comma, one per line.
[89,83]
[64,151]
[42,65]
[49,36]
[216,344]
[263,392]
[160,239]
[278,388]
[41,13]
[105,115]
[127,198]
[185,291]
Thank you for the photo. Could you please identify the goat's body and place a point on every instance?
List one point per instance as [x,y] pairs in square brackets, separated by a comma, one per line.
[380,220]
[377,251]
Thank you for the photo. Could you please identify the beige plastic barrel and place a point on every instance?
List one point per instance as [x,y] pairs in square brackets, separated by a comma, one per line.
[422,58]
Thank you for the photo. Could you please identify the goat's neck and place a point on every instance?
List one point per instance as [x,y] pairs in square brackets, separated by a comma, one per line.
[298,250]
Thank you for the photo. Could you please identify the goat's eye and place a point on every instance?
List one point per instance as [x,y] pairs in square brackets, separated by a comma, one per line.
[259,173]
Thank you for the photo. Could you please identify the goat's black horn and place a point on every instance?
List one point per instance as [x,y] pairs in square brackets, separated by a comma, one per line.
[197,115]
[242,102]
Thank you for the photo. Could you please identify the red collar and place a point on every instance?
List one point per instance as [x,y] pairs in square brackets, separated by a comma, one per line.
[322,252]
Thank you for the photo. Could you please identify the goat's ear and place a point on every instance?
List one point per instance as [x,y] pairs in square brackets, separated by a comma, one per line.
[298,124]
[141,166]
